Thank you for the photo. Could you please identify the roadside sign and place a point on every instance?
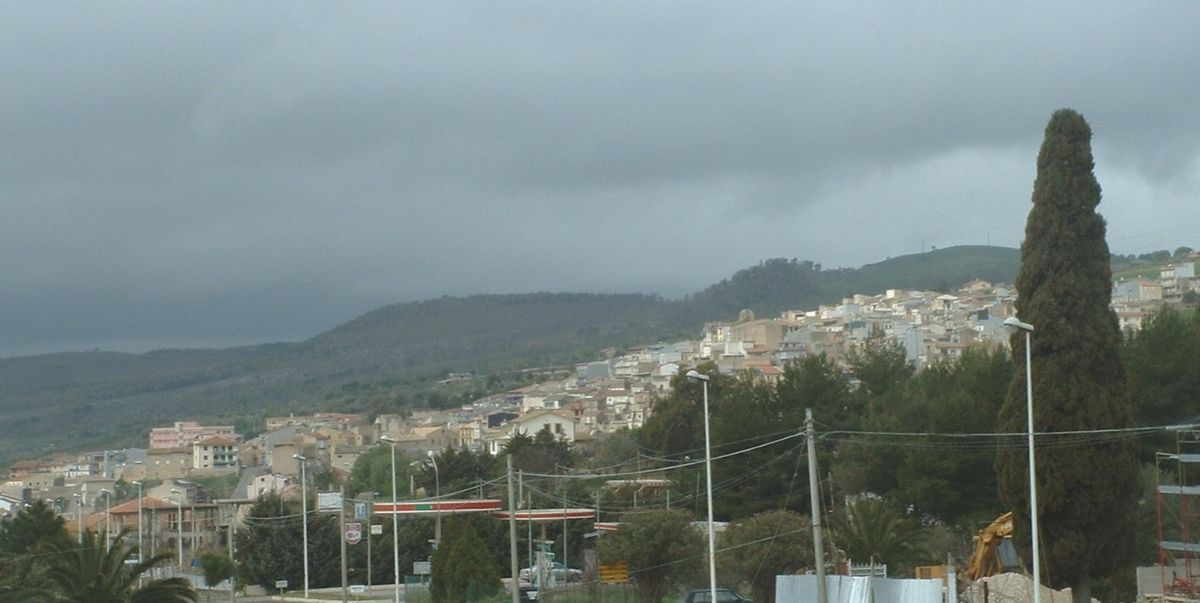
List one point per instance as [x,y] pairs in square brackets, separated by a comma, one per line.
[281,584]
[329,501]
[614,573]
[421,568]
[358,588]
[376,529]
[360,510]
[487,505]
[353,532]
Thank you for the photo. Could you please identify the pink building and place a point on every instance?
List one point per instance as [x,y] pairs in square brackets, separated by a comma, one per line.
[184,433]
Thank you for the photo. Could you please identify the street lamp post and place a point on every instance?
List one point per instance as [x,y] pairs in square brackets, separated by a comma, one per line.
[179,524]
[79,514]
[304,514]
[107,514]
[1015,325]
[395,528]
[695,375]
[437,495]
[139,487]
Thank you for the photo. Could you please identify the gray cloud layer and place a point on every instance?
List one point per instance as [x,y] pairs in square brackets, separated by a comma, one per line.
[220,173]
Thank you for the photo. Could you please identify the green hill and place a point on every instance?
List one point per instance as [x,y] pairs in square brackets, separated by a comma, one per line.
[75,401]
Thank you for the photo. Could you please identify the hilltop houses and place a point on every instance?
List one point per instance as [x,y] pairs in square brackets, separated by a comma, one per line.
[600,397]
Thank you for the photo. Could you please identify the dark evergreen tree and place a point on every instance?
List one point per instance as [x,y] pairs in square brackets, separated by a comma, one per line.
[963,396]
[1163,360]
[24,539]
[463,567]
[271,548]
[1087,492]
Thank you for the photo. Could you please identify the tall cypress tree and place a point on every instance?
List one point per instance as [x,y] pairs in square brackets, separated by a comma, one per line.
[1086,491]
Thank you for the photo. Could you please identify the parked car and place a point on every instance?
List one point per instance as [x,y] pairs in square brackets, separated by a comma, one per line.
[528,593]
[724,595]
[558,572]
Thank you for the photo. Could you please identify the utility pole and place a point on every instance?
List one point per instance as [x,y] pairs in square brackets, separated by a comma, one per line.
[370,513]
[512,535]
[810,435]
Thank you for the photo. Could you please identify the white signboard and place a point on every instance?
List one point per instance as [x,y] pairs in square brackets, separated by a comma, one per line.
[329,501]
[281,584]
[376,529]
[421,568]
[358,588]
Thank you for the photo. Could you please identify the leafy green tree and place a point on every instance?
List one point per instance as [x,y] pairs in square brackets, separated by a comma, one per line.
[1087,493]
[1163,363]
[670,430]
[91,573]
[759,479]
[463,567]
[217,567]
[456,470]
[881,366]
[372,472]
[614,450]
[766,545]
[662,548]
[862,466]
[953,397]
[875,528]
[675,428]
[818,383]
[540,453]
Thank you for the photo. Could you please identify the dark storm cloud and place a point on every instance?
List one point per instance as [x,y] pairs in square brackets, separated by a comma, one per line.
[208,173]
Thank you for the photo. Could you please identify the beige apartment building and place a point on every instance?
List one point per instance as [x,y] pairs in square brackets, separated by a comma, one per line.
[184,433]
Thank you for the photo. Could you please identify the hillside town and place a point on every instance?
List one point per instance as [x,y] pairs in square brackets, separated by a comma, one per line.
[161,483]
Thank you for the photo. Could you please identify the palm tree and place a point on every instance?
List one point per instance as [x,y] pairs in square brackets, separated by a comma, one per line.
[91,573]
[875,528]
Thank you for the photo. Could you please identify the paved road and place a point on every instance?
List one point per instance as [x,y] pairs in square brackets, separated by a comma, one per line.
[378,593]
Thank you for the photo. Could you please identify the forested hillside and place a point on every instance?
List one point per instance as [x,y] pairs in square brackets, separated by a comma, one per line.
[91,399]
[780,284]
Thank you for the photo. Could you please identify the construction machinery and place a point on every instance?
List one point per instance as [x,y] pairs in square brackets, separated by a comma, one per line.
[994,552]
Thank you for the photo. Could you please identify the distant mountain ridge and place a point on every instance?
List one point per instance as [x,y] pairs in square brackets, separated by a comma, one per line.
[91,399]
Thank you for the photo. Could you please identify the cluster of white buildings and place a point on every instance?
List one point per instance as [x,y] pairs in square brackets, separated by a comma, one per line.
[1136,299]
[599,398]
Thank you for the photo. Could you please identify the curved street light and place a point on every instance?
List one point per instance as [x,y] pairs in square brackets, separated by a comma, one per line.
[107,515]
[79,514]
[437,495]
[695,375]
[179,524]
[395,529]
[304,514]
[1015,326]
[139,487]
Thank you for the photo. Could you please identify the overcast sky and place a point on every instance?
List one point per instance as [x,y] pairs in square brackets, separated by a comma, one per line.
[207,174]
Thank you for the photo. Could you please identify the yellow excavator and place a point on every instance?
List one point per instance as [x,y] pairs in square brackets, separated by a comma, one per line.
[993,552]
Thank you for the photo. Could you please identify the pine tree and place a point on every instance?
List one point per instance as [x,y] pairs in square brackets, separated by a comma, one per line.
[1087,491]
